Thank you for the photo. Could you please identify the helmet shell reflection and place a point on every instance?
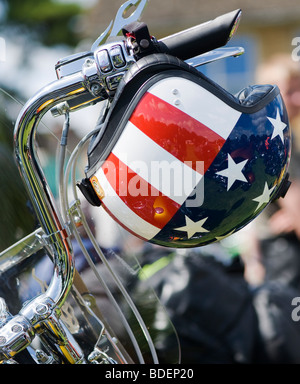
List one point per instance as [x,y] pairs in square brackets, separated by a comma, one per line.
[192,165]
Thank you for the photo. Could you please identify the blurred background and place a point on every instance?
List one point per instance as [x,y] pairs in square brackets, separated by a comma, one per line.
[37,33]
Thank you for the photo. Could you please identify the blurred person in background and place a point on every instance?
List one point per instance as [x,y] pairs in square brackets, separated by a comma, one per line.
[275,248]
[272,259]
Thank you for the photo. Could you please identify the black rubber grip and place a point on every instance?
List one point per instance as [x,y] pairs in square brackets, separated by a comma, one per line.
[203,37]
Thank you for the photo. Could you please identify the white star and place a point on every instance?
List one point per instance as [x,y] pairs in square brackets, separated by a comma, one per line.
[192,227]
[265,197]
[279,126]
[233,172]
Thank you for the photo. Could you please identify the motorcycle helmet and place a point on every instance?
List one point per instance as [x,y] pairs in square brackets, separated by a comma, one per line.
[180,162]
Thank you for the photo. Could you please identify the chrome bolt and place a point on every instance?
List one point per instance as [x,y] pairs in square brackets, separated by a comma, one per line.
[17,328]
[41,309]
[95,88]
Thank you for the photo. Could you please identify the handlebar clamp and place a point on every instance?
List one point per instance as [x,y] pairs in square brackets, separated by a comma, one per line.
[15,335]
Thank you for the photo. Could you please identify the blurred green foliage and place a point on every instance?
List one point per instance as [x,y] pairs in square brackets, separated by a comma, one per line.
[51,21]
[16,215]
[16,218]
[6,135]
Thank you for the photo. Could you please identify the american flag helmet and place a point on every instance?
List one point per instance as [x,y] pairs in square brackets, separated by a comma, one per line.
[180,162]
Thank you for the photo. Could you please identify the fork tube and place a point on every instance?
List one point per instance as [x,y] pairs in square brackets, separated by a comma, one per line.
[36,183]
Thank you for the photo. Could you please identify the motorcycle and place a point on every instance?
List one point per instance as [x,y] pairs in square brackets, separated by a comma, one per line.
[65,299]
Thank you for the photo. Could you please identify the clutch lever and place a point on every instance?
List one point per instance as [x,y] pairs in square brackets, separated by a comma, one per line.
[120,21]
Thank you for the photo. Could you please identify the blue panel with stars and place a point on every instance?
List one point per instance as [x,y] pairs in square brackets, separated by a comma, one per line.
[240,182]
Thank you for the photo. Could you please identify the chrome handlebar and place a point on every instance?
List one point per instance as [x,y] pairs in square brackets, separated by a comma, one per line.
[95,81]
[55,232]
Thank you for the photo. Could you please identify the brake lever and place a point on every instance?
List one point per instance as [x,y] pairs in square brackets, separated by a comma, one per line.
[120,21]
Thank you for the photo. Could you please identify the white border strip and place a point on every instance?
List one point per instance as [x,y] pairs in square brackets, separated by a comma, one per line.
[158,167]
[197,102]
